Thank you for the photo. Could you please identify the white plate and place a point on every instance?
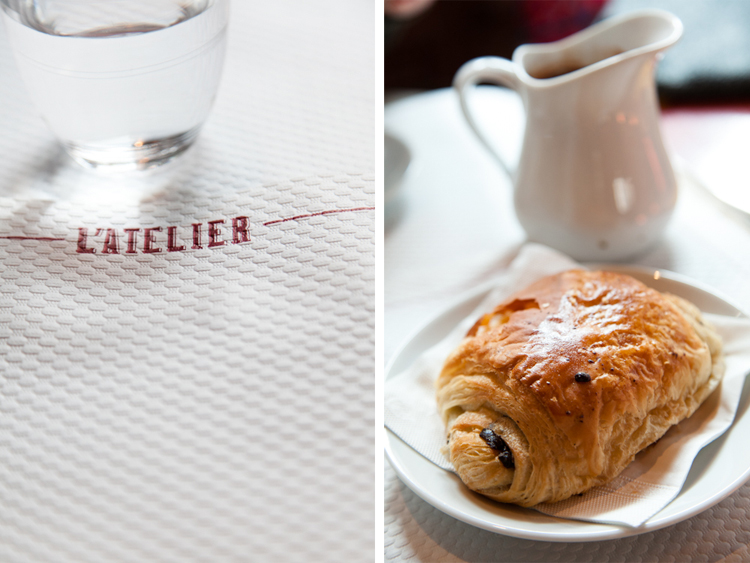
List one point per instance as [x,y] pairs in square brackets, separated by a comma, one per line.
[719,469]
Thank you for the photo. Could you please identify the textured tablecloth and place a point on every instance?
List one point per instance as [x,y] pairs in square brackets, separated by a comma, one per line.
[186,356]
[455,209]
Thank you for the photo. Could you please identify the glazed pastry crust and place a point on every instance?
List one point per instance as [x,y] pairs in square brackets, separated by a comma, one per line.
[650,357]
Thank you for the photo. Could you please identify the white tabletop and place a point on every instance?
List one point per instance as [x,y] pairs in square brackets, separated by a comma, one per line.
[208,404]
[452,228]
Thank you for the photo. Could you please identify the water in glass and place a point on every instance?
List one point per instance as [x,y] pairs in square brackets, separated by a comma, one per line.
[121,83]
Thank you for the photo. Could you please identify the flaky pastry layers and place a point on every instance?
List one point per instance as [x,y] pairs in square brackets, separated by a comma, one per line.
[558,388]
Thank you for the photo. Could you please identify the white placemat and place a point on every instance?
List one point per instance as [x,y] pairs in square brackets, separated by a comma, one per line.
[186,356]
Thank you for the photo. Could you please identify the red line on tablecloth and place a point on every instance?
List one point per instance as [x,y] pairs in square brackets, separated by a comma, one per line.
[316,215]
[31,238]
[274,222]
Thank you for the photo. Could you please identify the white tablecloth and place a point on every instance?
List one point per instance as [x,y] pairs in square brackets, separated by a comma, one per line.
[452,229]
[164,402]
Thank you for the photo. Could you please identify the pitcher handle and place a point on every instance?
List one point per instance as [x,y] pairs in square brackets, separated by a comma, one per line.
[495,70]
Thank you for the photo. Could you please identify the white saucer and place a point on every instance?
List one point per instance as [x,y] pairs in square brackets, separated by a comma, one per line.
[719,469]
[397,158]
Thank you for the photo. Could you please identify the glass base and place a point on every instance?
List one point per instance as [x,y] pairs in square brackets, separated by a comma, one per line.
[129,154]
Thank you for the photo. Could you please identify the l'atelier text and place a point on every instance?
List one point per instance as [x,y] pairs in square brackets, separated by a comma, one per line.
[152,240]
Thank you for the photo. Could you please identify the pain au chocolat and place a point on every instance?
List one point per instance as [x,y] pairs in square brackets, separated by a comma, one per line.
[558,388]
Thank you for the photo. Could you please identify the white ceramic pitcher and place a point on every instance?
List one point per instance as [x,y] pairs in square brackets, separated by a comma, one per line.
[593,179]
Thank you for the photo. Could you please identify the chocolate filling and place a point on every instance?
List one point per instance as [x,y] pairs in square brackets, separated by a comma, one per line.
[494,441]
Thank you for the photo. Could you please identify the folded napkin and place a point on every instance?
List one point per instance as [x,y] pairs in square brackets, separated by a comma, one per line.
[649,483]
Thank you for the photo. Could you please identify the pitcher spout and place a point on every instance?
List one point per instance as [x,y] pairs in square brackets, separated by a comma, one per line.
[631,35]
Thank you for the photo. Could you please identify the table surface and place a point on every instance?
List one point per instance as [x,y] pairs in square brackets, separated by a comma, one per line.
[454,207]
[188,405]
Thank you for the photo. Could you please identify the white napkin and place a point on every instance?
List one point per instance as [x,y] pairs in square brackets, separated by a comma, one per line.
[649,483]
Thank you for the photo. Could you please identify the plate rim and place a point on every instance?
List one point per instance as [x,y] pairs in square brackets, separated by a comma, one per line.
[598,531]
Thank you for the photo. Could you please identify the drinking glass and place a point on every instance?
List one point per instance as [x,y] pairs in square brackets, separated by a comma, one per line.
[121,83]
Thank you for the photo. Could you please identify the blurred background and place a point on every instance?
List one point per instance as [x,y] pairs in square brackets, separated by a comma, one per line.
[426,41]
